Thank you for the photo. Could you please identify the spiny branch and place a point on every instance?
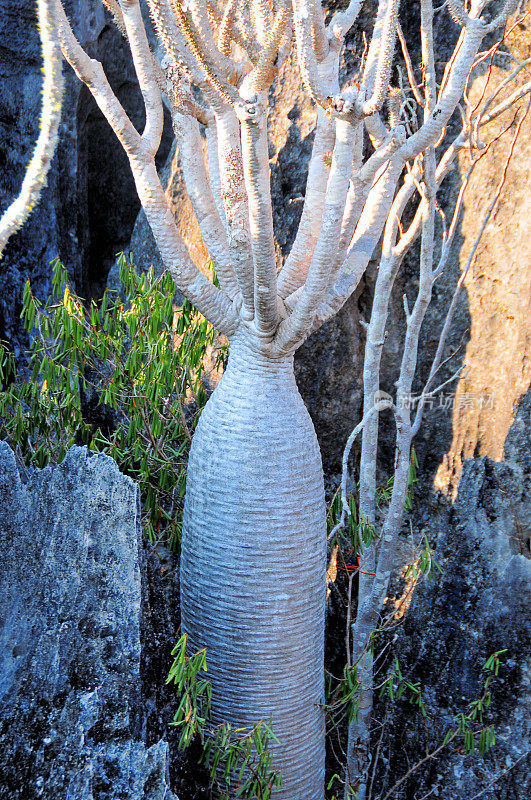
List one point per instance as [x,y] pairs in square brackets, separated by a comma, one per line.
[18,212]
[198,49]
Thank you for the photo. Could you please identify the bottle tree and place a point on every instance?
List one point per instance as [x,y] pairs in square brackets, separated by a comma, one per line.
[254,530]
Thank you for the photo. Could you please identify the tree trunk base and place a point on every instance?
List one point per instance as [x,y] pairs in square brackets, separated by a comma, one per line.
[253,563]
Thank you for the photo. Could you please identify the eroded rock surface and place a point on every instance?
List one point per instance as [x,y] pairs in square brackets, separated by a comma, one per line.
[478,606]
[496,363]
[78,693]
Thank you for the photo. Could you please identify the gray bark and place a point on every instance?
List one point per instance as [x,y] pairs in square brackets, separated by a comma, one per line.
[255,510]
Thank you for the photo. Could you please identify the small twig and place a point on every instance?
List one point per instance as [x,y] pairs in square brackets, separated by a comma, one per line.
[497,778]
[377,756]
[183,418]
[409,66]
[470,261]
[416,766]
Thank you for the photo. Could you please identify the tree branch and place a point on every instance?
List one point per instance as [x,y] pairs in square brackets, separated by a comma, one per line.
[295,328]
[463,59]
[236,205]
[198,188]
[294,272]
[143,61]
[366,236]
[257,181]
[263,72]
[91,73]
[386,48]
[342,21]
[35,177]
[209,300]
[308,64]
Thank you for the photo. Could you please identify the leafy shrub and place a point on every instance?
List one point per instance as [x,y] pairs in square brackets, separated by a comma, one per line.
[124,377]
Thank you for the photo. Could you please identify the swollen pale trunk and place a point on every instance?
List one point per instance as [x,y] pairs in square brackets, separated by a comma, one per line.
[253,561]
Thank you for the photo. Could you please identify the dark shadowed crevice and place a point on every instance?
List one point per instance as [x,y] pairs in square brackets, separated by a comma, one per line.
[108,202]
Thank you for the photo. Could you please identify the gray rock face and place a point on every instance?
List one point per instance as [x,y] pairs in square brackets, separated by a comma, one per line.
[87,211]
[478,606]
[73,708]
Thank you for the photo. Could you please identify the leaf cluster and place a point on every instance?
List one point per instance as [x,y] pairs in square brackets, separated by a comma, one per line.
[357,533]
[239,760]
[123,377]
[343,696]
[397,686]
[195,692]
[468,728]
[425,564]
[468,723]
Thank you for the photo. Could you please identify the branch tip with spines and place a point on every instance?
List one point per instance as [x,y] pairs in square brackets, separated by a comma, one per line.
[262,74]
[217,81]
[224,37]
[457,12]
[114,9]
[307,58]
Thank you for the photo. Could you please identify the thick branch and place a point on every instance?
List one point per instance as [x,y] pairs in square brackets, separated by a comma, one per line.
[295,328]
[198,188]
[257,182]
[509,7]
[342,21]
[366,236]
[360,186]
[295,269]
[214,179]
[263,72]
[236,205]
[386,47]
[91,73]
[319,35]
[209,300]
[114,8]
[224,39]
[307,58]
[143,61]
[262,19]
[431,130]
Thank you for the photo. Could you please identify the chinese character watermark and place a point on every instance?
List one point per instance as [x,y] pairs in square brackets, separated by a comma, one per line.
[439,402]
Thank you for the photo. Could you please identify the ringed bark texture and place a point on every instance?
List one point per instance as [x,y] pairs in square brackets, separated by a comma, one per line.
[253,562]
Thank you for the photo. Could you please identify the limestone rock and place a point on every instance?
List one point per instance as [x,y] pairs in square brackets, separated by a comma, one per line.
[478,606]
[73,701]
